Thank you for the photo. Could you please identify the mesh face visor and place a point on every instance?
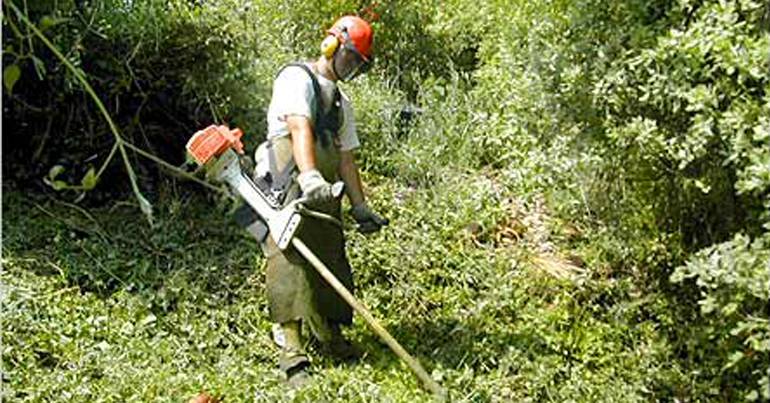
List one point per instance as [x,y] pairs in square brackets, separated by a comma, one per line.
[349,63]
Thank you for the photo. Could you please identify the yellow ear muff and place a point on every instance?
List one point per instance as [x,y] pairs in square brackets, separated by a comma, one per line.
[329,45]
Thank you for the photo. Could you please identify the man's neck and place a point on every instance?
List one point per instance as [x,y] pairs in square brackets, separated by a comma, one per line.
[324,68]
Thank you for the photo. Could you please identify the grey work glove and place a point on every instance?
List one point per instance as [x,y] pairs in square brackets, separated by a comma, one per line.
[368,221]
[315,189]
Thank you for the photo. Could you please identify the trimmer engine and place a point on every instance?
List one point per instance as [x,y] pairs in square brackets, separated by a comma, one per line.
[217,148]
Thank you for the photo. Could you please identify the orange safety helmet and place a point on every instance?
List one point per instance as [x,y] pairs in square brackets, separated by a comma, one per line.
[350,30]
[359,32]
[349,47]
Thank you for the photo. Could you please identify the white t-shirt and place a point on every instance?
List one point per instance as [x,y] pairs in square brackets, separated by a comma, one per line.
[293,94]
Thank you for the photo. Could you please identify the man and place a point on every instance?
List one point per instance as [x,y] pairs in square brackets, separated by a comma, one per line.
[311,138]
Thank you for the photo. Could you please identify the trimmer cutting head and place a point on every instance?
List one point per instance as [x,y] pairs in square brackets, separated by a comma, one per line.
[212,141]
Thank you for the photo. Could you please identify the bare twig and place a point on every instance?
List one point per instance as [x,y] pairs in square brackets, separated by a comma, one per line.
[145,206]
[44,140]
[71,114]
[172,168]
[29,37]
[101,266]
[107,160]
[17,32]
[144,135]
[33,108]
[88,215]
[72,225]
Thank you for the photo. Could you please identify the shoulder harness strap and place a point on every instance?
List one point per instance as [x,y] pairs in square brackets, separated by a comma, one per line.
[280,180]
[325,125]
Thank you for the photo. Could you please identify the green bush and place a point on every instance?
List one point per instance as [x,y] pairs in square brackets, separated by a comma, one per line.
[684,119]
[644,125]
[732,345]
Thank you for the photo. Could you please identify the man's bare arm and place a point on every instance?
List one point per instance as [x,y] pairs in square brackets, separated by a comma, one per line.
[303,145]
[349,173]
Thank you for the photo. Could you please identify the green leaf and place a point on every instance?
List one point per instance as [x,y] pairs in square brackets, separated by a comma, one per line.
[703,187]
[729,309]
[11,75]
[149,319]
[55,171]
[89,180]
[58,185]
[39,67]
[51,180]
[46,22]
[734,359]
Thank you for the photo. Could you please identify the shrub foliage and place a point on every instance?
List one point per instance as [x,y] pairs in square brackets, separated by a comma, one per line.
[642,125]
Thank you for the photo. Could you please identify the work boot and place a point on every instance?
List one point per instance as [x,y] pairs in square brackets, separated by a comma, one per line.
[333,342]
[340,347]
[294,361]
[296,366]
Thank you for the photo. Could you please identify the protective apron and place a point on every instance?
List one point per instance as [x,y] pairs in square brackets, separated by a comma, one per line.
[294,288]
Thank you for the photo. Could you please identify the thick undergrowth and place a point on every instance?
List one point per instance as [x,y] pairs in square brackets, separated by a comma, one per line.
[579,196]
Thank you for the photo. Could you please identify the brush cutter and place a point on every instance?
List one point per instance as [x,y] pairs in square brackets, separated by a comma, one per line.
[216,148]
